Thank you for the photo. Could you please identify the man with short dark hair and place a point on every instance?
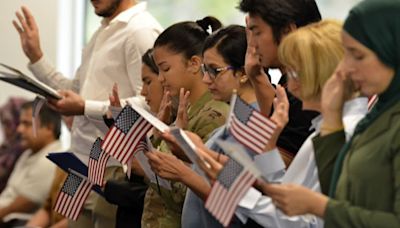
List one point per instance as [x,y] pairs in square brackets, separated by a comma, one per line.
[269,21]
[30,181]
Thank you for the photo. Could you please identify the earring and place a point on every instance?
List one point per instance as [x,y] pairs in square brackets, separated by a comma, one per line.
[243,80]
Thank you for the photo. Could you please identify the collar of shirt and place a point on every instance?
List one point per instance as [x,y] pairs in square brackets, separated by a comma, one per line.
[50,148]
[316,123]
[355,106]
[126,15]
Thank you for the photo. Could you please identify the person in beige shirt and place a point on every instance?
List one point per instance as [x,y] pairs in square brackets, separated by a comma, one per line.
[31,179]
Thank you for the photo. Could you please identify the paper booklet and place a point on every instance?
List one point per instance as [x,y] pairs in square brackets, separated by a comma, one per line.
[17,78]
[68,162]
[158,124]
[144,163]
[186,144]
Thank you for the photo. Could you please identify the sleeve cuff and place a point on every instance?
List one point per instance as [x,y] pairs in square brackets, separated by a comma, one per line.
[332,211]
[251,198]
[41,67]
[95,109]
[270,163]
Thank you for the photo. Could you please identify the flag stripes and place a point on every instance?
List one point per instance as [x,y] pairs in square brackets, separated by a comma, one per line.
[72,196]
[249,127]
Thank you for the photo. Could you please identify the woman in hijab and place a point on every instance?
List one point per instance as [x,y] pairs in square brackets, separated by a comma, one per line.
[364,188]
[11,148]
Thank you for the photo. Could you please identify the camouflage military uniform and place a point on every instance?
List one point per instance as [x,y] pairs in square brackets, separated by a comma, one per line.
[165,210]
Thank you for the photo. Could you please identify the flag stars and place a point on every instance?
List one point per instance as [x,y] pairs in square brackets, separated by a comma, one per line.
[126,119]
[71,184]
[229,173]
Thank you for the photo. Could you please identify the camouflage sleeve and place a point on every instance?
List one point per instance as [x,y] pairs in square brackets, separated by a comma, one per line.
[208,120]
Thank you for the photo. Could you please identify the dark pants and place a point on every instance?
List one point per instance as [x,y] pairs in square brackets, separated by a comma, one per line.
[129,196]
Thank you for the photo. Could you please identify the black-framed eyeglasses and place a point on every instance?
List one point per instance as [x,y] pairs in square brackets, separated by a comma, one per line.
[214,72]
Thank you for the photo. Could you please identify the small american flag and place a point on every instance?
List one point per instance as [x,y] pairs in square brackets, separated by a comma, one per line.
[248,126]
[122,140]
[372,101]
[226,193]
[72,195]
[97,163]
[143,146]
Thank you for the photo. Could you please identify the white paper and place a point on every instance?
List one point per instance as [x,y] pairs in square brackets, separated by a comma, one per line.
[32,80]
[144,163]
[161,126]
[186,144]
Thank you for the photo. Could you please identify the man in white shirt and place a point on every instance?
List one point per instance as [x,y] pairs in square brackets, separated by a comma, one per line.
[30,181]
[113,55]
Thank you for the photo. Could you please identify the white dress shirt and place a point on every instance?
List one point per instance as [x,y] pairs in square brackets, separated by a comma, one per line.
[303,171]
[113,55]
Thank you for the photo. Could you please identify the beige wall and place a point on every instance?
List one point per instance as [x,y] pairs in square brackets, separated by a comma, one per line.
[60,26]
[10,51]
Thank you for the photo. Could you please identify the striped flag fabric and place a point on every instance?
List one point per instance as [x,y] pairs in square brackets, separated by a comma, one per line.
[142,147]
[248,126]
[231,185]
[372,101]
[72,196]
[97,163]
[124,137]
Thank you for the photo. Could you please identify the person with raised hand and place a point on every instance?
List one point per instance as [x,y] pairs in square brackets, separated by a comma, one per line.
[111,56]
[177,54]
[368,164]
[268,22]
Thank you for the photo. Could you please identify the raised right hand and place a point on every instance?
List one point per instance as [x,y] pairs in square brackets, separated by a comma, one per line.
[164,112]
[29,34]
[252,64]
[114,97]
[337,90]
[280,116]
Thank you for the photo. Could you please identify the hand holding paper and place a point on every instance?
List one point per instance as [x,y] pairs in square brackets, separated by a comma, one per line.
[70,104]
[209,165]
[295,199]
[144,163]
[167,166]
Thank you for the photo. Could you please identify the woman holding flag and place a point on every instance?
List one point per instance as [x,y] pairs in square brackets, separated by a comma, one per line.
[369,163]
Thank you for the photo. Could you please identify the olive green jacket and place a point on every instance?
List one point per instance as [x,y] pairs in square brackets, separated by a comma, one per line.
[165,211]
[368,190]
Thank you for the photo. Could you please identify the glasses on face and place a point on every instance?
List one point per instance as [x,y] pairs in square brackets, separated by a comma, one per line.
[292,74]
[214,72]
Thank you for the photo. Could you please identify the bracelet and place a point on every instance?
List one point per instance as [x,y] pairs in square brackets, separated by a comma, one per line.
[329,129]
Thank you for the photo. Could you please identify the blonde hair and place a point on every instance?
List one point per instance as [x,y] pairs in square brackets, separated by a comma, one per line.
[313,52]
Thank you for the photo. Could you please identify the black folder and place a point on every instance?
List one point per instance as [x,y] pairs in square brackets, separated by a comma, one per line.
[17,78]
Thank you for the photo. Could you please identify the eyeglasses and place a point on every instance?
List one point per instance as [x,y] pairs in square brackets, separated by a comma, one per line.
[292,74]
[214,72]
